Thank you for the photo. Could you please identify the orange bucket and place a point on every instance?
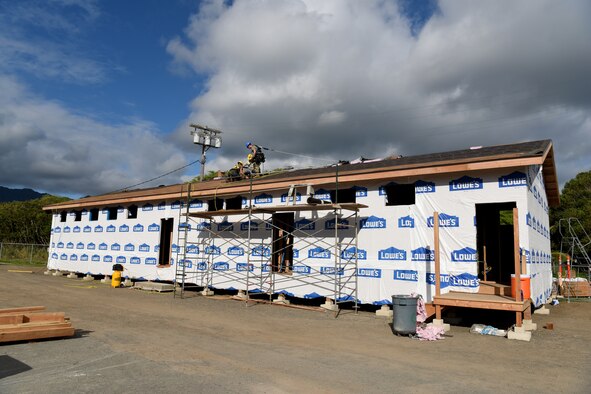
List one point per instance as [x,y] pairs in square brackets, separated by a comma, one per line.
[525,286]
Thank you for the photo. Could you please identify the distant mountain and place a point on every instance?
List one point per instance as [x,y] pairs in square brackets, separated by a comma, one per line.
[7,194]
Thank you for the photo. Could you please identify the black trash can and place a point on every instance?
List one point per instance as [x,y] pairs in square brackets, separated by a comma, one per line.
[404,308]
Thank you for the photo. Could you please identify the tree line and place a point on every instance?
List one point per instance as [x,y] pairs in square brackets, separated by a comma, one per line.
[25,221]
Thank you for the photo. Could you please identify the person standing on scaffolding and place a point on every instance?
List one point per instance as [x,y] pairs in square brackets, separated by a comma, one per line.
[256,157]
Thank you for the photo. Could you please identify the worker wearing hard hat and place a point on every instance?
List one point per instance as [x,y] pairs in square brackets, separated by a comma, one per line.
[255,158]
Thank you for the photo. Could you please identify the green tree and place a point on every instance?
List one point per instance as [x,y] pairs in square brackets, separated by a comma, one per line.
[575,201]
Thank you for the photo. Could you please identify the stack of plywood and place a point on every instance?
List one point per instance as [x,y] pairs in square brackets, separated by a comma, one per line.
[28,323]
[576,288]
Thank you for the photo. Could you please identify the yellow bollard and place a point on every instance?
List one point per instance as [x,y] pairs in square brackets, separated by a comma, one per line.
[116,279]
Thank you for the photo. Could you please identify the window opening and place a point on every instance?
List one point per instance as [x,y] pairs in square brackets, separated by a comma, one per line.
[234,203]
[343,196]
[166,227]
[216,204]
[63,216]
[112,213]
[132,212]
[94,213]
[282,253]
[400,194]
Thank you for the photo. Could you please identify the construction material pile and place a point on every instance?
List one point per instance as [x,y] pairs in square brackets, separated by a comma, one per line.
[29,323]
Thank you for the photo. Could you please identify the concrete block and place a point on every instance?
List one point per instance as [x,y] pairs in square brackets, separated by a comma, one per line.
[241,294]
[88,278]
[519,334]
[207,292]
[72,275]
[154,286]
[127,283]
[329,305]
[106,279]
[58,273]
[281,300]
[48,272]
[529,325]
[440,323]
[542,311]
[385,311]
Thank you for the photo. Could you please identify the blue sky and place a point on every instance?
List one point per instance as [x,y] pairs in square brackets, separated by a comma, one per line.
[98,95]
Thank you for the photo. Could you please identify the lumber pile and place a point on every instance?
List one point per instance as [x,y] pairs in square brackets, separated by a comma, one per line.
[32,322]
[578,287]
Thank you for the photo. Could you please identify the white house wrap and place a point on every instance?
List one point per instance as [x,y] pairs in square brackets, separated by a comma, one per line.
[392,244]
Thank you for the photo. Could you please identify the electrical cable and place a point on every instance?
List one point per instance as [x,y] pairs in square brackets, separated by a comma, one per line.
[155,178]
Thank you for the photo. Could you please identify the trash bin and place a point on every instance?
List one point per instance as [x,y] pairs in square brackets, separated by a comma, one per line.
[404,308]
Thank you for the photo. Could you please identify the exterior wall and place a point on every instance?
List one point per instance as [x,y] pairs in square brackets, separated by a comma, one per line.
[537,247]
[394,242]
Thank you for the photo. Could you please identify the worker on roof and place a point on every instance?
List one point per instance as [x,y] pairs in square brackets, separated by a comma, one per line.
[256,157]
[234,173]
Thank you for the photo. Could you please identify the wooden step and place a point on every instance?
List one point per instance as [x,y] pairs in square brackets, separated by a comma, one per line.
[494,288]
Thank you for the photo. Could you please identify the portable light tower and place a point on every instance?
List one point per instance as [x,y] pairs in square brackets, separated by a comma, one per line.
[207,138]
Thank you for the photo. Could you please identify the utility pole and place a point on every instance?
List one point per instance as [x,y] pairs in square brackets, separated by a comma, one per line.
[207,138]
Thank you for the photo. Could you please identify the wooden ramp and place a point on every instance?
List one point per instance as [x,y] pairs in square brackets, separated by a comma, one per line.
[28,323]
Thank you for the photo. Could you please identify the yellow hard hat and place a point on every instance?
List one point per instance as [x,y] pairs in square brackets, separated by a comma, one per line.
[249,157]
[240,163]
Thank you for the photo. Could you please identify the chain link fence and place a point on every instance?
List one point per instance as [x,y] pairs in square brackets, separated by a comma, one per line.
[27,254]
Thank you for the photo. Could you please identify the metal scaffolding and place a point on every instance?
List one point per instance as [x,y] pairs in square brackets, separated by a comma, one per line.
[201,263]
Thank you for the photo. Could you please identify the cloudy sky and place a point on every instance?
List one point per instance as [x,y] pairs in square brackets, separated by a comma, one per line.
[98,95]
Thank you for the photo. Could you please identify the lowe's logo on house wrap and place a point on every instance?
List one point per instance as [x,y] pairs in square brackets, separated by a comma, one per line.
[422,254]
[74,257]
[329,224]
[202,266]
[192,249]
[369,272]
[392,253]
[87,229]
[184,225]
[515,179]
[63,256]
[213,250]
[350,253]
[196,204]
[528,219]
[406,222]
[424,187]
[443,279]
[129,247]
[296,253]
[235,251]
[60,245]
[84,257]
[284,197]
[305,224]
[176,205]
[244,267]
[254,226]
[407,275]
[111,229]
[98,229]
[91,246]
[464,255]
[263,199]
[66,229]
[382,189]
[301,269]
[331,271]
[57,230]
[138,228]
[76,229]
[124,228]
[445,220]
[322,194]
[115,246]
[319,253]
[121,259]
[134,260]
[147,207]
[360,191]
[70,245]
[153,228]
[464,280]
[202,226]
[95,257]
[150,261]
[372,222]
[108,259]
[175,248]
[144,248]
[80,245]
[162,206]
[185,263]
[225,226]
[54,256]
[221,266]
[260,250]
[465,183]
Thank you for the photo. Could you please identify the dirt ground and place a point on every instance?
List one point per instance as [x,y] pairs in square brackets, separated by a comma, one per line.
[134,341]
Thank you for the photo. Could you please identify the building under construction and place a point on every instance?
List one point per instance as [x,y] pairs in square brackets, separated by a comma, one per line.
[368,232]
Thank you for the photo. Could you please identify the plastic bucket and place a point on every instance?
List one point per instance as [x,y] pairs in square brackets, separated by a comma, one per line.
[525,286]
[404,308]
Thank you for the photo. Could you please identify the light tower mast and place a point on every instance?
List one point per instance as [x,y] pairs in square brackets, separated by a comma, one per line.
[207,138]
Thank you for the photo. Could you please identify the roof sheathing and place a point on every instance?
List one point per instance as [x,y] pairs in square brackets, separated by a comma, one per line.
[503,156]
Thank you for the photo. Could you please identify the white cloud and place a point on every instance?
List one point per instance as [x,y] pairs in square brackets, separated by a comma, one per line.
[282,72]
[45,144]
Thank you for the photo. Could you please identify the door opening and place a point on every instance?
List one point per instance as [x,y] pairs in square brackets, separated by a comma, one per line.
[166,227]
[494,240]
[282,253]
